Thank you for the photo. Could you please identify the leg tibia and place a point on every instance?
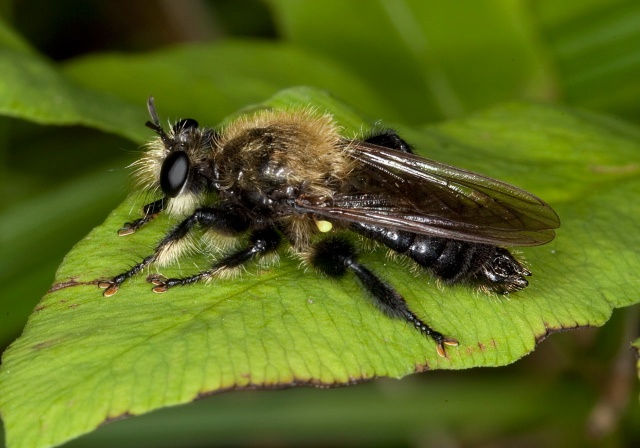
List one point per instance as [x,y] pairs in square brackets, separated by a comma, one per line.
[221,219]
[261,243]
[335,256]
[150,211]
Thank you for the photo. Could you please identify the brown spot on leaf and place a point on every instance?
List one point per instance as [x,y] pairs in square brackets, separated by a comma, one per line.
[295,383]
[74,305]
[482,346]
[422,367]
[70,283]
[116,418]
[550,329]
[46,344]
[40,308]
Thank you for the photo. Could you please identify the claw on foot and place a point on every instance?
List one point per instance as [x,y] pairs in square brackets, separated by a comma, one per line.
[126,230]
[160,288]
[110,288]
[160,282]
[441,342]
[156,279]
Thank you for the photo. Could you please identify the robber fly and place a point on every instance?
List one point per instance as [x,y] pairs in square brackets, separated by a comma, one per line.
[290,176]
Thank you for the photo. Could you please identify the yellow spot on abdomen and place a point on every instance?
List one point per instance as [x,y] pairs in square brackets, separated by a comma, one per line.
[324,226]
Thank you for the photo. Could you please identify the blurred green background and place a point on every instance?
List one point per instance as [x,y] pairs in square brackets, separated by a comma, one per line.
[407,62]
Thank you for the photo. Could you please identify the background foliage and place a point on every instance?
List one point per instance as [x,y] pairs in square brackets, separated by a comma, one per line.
[411,62]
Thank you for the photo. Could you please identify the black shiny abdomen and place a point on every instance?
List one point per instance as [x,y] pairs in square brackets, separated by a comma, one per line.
[451,260]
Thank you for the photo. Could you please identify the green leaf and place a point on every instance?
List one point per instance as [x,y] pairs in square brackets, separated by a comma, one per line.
[380,413]
[418,54]
[32,89]
[211,81]
[32,219]
[84,359]
[34,231]
[12,40]
[595,48]
[442,59]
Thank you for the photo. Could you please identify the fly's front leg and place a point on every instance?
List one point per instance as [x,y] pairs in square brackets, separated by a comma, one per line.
[222,219]
[260,243]
[150,212]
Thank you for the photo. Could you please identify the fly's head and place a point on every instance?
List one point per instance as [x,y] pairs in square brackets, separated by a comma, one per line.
[178,164]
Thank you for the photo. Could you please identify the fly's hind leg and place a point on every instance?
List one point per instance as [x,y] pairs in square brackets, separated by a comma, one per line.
[224,220]
[260,243]
[150,211]
[335,256]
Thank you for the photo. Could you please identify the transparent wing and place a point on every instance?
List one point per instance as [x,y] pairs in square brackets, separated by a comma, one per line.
[406,192]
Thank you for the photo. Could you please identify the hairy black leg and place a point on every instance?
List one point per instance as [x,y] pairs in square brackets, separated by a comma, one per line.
[260,243]
[389,139]
[150,211]
[334,256]
[222,219]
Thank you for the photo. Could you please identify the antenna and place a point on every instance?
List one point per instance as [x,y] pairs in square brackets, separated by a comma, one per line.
[156,126]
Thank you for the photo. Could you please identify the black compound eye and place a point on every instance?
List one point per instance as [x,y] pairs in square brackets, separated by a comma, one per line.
[184,125]
[174,173]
